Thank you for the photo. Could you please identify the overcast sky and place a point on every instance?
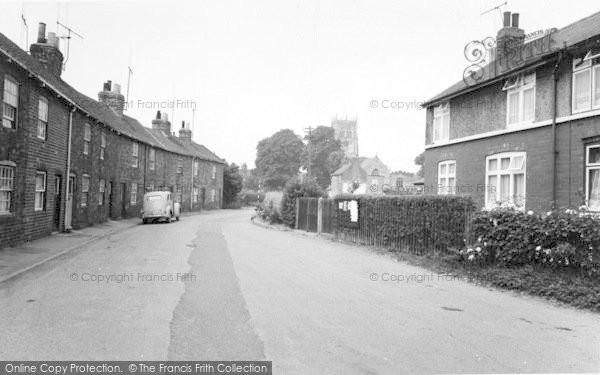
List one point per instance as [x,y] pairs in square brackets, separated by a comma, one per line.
[254,67]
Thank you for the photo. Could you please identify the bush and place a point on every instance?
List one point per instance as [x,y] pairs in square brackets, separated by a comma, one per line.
[296,188]
[269,208]
[512,238]
[416,223]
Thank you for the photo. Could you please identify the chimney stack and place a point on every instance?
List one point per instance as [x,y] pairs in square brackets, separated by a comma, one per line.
[185,134]
[161,122]
[509,41]
[112,97]
[47,51]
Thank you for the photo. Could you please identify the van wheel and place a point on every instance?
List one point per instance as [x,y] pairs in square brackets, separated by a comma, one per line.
[177,218]
[145,221]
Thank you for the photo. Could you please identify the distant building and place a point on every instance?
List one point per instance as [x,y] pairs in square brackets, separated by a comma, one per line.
[360,176]
[345,132]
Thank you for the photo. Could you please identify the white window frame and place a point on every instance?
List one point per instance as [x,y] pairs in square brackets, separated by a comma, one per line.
[179,165]
[583,66]
[518,85]
[101,189]
[589,167]
[133,194]
[10,100]
[151,159]
[195,195]
[40,192]
[510,171]
[444,176]
[134,154]
[7,187]
[87,138]
[214,172]
[213,194]
[42,125]
[102,145]
[85,190]
[196,167]
[441,129]
[178,194]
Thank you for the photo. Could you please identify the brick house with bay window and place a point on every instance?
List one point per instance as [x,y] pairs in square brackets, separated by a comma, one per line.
[526,131]
[69,161]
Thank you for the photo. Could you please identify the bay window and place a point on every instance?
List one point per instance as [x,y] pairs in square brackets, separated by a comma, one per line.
[592,177]
[447,177]
[505,179]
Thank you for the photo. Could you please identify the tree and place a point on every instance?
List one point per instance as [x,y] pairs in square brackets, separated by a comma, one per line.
[278,158]
[420,160]
[326,155]
[232,183]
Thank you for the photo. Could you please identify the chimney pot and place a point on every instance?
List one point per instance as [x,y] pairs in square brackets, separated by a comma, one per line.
[158,115]
[515,20]
[182,124]
[41,33]
[506,19]
[106,86]
[116,88]
[165,116]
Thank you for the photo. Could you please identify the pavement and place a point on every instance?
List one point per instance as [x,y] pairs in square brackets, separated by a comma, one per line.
[214,286]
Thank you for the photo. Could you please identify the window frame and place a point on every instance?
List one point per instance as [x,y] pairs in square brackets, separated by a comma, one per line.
[133,194]
[498,172]
[519,87]
[588,64]
[39,204]
[101,190]
[102,145]
[446,188]
[589,167]
[135,149]
[179,165]
[87,138]
[214,172]
[85,190]
[42,124]
[7,173]
[441,111]
[15,107]
[151,159]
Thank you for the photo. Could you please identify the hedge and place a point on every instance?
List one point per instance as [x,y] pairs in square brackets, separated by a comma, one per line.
[512,238]
[418,224]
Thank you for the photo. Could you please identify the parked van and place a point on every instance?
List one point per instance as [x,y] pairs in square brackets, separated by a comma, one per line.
[159,205]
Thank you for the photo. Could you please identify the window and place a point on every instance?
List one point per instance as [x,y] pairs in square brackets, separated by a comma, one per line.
[399,182]
[375,172]
[213,194]
[447,177]
[505,179]
[85,189]
[42,124]
[10,103]
[151,187]
[196,167]
[134,155]
[195,195]
[214,172]
[592,177]
[178,194]
[179,166]
[101,188]
[40,191]
[586,83]
[152,159]
[133,195]
[102,145]
[520,99]
[87,138]
[441,123]
[7,183]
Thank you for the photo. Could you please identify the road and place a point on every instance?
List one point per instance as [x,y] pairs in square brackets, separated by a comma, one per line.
[231,290]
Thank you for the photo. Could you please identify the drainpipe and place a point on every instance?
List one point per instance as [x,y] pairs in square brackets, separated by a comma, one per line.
[68,177]
[554,114]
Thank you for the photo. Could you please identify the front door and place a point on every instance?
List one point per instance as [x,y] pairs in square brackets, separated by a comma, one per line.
[110,200]
[69,210]
[57,203]
[123,199]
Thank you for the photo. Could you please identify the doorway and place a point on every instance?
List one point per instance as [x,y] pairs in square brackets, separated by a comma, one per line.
[57,203]
[69,210]
[123,199]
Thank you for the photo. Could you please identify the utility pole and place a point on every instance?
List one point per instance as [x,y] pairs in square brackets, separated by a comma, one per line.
[309,130]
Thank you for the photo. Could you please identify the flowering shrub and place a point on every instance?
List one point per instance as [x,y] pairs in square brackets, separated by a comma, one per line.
[270,208]
[561,239]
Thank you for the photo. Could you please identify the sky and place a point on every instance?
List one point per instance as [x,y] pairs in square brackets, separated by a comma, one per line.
[251,68]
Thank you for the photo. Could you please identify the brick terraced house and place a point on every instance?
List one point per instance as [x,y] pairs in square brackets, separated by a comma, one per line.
[69,161]
[525,130]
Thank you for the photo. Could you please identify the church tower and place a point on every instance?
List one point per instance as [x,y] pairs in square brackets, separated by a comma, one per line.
[345,132]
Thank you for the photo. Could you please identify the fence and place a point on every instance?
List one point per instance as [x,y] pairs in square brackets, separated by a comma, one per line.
[315,215]
[418,225]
